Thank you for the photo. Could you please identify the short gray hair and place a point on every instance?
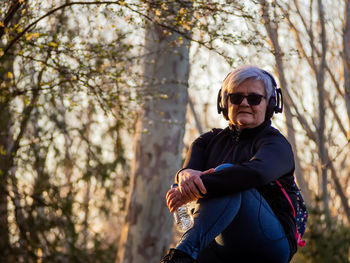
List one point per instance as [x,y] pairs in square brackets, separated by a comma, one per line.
[241,74]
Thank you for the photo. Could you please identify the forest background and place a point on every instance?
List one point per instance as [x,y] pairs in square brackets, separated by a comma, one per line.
[99,101]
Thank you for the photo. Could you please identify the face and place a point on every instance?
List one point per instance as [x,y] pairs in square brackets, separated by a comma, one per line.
[244,115]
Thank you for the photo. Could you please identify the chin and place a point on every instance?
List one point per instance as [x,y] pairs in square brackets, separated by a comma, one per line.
[244,121]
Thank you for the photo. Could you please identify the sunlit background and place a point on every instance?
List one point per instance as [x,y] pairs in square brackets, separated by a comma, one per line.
[72,88]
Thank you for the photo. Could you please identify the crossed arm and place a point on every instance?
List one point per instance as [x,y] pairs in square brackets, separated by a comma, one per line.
[190,188]
[272,159]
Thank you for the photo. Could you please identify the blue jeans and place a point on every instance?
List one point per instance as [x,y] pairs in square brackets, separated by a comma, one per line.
[236,228]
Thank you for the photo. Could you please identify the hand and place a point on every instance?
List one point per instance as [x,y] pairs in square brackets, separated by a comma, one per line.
[174,199]
[190,183]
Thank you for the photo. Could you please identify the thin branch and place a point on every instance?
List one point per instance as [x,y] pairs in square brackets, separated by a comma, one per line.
[336,115]
[29,27]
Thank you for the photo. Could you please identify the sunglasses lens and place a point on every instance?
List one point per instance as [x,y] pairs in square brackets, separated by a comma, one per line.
[236,98]
[253,99]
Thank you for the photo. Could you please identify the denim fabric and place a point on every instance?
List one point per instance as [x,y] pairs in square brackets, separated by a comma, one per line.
[236,228]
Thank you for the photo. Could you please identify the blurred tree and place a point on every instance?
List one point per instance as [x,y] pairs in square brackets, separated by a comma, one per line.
[159,133]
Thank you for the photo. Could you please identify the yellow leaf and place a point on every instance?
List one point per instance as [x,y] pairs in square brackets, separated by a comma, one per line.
[186,26]
[158,12]
[29,36]
[10,75]
[164,96]
[2,24]
[53,44]
[2,151]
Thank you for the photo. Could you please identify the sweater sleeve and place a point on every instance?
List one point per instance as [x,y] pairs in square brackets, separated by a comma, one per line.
[196,155]
[273,158]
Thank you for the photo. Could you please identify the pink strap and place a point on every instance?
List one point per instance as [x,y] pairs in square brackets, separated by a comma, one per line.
[287,196]
[300,242]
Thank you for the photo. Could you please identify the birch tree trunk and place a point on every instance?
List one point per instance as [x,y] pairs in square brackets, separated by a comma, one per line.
[5,144]
[6,65]
[147,230]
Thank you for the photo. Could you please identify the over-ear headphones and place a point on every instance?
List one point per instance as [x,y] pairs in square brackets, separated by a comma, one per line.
[222,108]
[275,104]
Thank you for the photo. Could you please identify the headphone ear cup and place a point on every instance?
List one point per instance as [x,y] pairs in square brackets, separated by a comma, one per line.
[218,102]
[271,107]
[221,108]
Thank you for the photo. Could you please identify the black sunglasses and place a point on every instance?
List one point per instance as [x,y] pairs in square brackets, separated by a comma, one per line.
[253,99]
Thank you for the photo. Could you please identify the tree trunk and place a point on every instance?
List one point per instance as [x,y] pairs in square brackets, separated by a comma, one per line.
[147,230]
[320,72]
[5,148]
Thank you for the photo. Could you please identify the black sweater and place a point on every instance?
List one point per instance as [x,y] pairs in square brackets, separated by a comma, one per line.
[260,156]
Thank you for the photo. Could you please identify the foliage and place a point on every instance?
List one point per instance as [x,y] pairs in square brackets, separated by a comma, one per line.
[324,245]
[64,107]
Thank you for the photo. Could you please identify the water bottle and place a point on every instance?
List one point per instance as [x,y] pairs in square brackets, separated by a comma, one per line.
[183,217]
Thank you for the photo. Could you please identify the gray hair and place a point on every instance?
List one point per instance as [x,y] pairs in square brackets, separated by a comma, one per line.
[241,74]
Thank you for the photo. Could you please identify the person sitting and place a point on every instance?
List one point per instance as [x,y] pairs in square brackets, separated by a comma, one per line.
[241,215]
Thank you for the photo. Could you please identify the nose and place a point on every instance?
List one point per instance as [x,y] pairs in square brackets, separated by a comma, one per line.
[244,102]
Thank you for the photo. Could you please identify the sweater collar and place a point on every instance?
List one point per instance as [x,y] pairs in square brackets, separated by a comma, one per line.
[248,132]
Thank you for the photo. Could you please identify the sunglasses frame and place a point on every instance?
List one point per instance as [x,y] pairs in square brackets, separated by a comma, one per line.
[249,97]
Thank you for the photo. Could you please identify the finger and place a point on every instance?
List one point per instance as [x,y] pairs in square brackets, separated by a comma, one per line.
[171,203]
[200,185]
[209,171]
[172,197]
[194,187]
[196,193]
[189,192]
[173,208]
[175,205]
[170,192]
[168,200]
